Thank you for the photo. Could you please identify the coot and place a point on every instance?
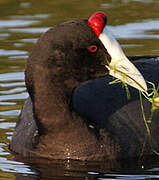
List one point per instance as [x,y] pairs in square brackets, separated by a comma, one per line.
[72,111]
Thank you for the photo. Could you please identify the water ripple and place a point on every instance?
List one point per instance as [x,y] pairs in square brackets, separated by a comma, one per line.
[12,76]
[10,113]
[4,52]
[29,40]
[29,30]
[4,36]
[12,84]
[15,90]
[6,125]
[7,103]
[17,23]
[36,16]
[14,166]
[130,176]
[14,97]
[138,30]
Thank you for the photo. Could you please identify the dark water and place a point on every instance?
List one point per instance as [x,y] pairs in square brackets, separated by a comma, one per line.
[136,25]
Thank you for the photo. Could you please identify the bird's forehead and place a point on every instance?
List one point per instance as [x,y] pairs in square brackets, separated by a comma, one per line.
[76,32]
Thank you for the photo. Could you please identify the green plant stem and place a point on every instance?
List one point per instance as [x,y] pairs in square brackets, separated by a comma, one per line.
[146,124]
[144,118]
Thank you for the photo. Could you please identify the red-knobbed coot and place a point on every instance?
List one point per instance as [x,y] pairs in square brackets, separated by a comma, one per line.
[72,111]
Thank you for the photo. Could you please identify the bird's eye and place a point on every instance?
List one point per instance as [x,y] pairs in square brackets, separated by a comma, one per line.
[93,48]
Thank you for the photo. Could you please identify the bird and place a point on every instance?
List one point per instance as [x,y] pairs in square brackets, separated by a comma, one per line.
[73,111]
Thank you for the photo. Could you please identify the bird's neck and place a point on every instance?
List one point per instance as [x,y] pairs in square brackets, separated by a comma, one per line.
[51,102]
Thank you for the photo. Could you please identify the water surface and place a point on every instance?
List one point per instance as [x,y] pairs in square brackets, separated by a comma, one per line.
[135,23]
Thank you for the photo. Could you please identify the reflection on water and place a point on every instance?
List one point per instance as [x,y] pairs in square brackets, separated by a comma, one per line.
[14,166]
[36,16]
[141,30]
[12,76]
[83,170]
[134,22]
[29,30]
[16,23]
[4,52]
[132,177]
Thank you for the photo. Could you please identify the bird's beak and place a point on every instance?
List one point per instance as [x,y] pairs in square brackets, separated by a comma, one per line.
[119,66]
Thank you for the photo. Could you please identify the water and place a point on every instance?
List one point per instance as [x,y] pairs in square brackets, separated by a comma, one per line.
[135,23]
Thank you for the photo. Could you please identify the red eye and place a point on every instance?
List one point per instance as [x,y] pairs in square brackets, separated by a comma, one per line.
[93,48]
